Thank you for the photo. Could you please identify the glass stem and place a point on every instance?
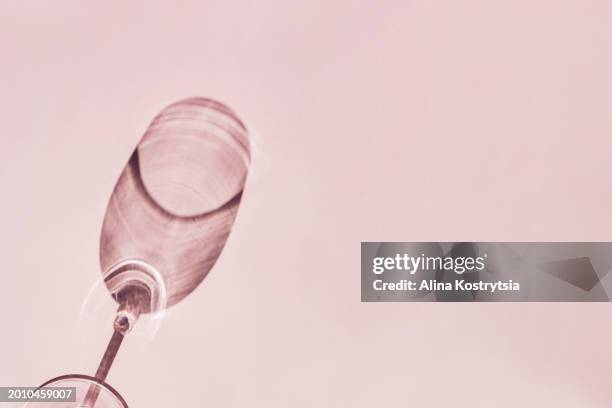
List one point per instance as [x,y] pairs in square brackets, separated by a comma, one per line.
[133,300]
[104,367]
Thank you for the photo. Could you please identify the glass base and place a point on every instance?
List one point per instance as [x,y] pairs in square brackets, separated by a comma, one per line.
[90,393]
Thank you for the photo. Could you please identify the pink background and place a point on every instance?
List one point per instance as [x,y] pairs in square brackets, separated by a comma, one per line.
[397,121]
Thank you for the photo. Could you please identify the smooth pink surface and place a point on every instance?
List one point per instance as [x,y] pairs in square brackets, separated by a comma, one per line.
[397,121]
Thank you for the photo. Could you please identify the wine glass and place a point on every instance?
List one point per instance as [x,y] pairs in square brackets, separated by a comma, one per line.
[166,223]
